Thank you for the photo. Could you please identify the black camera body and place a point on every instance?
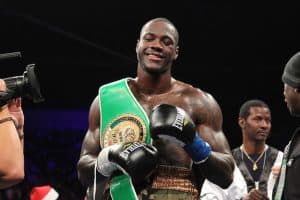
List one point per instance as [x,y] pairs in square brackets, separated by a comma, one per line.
[26,85]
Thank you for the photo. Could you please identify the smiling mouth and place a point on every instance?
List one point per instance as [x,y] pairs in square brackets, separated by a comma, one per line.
[263,133]
[154,57]
[154,53]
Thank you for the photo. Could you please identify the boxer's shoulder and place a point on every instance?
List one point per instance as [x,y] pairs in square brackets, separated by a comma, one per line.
[187,87]
[192,92]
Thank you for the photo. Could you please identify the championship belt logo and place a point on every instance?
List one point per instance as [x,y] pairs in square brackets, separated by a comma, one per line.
[125,128]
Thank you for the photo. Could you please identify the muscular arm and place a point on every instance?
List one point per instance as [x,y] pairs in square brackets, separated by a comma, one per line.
[219,166]
[90,148]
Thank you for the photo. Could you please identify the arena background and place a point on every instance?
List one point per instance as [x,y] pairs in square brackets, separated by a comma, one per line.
[235,51]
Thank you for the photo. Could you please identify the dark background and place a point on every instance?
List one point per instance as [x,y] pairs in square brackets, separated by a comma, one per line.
[235,51]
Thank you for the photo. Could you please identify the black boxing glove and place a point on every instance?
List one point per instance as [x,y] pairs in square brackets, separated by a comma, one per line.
[136,159]
[167,121]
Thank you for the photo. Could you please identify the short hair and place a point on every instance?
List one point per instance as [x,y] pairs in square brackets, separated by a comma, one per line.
[163,19]
[245,108]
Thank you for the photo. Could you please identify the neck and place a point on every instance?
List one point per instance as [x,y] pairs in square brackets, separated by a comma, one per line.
[252,147]
[154,83]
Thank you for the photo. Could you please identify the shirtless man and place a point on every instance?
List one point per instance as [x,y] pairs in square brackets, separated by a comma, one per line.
[183,164]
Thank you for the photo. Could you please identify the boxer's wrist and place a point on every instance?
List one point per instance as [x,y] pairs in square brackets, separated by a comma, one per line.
[103,165]
[199,150]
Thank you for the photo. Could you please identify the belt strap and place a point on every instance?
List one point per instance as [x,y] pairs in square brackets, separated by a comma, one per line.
[175,178]
[122,188]
[120,110]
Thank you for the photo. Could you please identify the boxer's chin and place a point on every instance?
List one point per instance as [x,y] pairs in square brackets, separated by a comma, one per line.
[153,68]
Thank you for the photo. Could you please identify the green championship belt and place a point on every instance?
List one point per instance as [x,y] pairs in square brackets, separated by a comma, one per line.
[122,120]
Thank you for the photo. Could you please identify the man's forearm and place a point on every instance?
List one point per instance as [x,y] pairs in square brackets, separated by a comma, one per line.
[86,170]
[218,168]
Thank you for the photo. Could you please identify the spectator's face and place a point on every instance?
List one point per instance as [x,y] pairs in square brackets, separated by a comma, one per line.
[257,125]
[292,99]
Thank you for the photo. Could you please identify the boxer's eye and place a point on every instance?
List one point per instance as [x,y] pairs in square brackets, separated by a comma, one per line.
[148,37]
[167,41]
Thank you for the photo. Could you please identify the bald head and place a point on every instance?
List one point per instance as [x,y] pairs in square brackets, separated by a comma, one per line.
[165,20]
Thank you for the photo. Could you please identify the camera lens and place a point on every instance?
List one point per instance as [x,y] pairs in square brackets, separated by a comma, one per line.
[26,85]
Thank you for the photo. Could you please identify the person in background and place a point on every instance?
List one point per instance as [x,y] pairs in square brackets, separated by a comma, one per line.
[288,183]
[257,162]
[11,141]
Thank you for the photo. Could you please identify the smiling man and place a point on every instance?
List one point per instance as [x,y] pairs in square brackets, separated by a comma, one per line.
[124,144]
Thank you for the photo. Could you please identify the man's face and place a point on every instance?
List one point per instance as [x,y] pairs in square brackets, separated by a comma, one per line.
[257,125]
[157,48]
[292,98]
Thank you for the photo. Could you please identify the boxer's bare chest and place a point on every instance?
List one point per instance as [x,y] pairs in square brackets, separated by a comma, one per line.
[171,154]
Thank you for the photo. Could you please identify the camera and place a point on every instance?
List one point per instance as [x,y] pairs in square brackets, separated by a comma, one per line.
[26,85]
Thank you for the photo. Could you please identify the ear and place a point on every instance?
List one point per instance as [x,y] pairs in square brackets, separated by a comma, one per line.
[241,122]
[176,52]
[137,45]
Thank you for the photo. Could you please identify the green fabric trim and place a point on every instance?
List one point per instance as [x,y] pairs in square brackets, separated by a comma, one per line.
[122,188]
[116,99]
[118,104]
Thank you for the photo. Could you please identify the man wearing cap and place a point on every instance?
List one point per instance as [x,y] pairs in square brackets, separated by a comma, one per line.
[288,183]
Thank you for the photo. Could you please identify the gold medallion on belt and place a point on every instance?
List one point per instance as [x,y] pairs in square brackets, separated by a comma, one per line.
[124,128]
